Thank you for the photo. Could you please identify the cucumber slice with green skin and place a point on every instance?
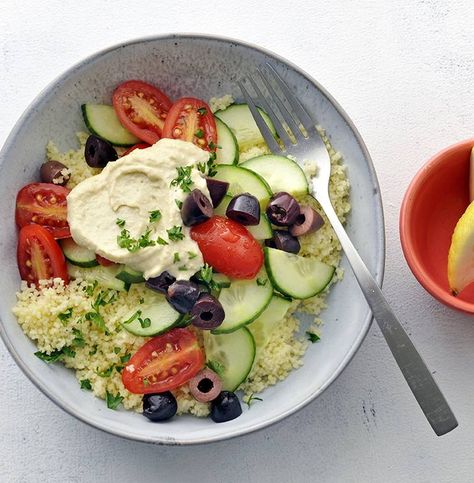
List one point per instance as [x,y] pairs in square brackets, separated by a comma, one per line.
[243,302]
[105,276]
[241,122]
[295,276]
[128,275]
[231,356]
[77,255]
[228,149]
[102,121]
[262,231]
[242,180]
[263,327]
[222,281]
[153,318]
[280,172]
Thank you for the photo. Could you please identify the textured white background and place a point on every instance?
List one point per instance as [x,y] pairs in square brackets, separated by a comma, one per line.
[403,70]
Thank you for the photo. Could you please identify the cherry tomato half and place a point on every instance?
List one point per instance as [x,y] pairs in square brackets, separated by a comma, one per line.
[43,204]
[141,108]
[192,120]
[228,247]
[39,255]
[136,146]
[164,363]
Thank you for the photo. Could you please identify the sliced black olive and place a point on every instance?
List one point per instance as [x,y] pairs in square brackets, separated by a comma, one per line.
[54,172]
[182,295]
[160,283]
[196,208]
[99,152]
[205,385]
[283,209]
[308,221]
[217,190]
[245,209]
[159,406]
[282,240]
[207,312]
[225,407]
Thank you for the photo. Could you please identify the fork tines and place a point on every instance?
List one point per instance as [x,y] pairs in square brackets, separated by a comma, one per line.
[291,120]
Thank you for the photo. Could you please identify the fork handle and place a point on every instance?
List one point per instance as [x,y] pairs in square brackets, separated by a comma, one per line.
[418,376]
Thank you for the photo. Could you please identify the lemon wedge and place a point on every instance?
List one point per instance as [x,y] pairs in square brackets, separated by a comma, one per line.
[461,252]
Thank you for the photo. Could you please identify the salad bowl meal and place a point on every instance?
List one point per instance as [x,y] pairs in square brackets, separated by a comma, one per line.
[167,278]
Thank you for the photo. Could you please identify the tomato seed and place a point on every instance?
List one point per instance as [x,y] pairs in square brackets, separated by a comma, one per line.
[177,132]
[39,197]
[28,263]
[201,142]
[174,371]
[53,199]
[140,95]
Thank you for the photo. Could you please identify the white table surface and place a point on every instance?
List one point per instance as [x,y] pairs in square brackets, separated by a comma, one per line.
[404,72]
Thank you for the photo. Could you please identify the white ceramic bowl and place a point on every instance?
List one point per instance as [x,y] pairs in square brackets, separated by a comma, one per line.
[200,66]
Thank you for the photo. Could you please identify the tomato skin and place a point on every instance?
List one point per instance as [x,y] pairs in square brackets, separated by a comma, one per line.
[105,262]
[228,247]
[44,204]
[39,255]
[136,146]
[184,120]
[142,109]
[175,351]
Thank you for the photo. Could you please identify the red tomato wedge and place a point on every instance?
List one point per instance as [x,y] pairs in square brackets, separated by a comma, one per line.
[142,109]
[136,146]
[105,262]
[164,363]
[39,255]
[192,120]
[228,247]
[43,204]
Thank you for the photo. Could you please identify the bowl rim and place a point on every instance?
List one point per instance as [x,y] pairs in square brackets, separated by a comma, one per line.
[380,263]
[405,221]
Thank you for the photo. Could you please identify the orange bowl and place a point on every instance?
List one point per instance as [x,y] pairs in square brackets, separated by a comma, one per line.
[433,204]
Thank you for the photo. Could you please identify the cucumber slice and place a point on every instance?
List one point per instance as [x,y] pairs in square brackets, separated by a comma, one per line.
[128,275]
[263,327]
[295,276]
[243,302]
[161,318]
[77,255]
[223,281]
[242,180]
[241,122]
[262,231]
[105,276]
[228,149]
[102,121]
[231,356]
[281,173]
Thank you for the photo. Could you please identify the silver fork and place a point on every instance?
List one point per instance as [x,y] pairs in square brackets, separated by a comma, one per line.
[304,142]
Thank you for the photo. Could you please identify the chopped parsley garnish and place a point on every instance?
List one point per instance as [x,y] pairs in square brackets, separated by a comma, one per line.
[106,373]
[145,382]
[133,317]
[142,300]
[117,350]
[205,273]
[49,358]
[199,133]
[145,323]
[64,316]
[90,289]
[183,268]
[202,111]
[212,146]
[175,233]
[161,241]
[252,398]
[176,257]
[313,337]
[155,216]
[78,340]
[262,281]
[192,255]
[97,319]
[120,222]
[124,240]
[216,366]
[93,351]
[179,204]
[113,401]
[183,180]
[125,358]
[68,352]
[86,384]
